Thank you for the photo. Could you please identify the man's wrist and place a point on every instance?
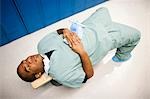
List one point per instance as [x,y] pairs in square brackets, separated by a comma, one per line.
[83,52]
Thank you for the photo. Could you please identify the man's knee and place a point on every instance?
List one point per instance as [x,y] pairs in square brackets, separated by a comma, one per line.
[103,9]
[137,35]
[134,37]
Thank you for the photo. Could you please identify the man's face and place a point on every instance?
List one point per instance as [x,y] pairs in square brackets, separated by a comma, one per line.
[33,64]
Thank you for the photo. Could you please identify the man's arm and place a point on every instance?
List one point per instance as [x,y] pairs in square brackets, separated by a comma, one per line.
[77,46]
[86,63]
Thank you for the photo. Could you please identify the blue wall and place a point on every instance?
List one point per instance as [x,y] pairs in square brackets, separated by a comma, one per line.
[22,17]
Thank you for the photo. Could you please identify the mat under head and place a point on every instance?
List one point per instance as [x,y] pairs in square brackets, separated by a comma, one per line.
[41,81]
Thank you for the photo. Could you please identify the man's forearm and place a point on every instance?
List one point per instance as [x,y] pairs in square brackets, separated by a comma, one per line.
[86,64]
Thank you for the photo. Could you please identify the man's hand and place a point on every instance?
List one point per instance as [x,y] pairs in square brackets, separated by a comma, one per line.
[76,44]
[74,41]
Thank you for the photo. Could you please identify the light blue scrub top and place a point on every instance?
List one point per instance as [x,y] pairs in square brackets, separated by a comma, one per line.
[65,65]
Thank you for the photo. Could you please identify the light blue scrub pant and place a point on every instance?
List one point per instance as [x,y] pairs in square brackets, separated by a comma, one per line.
[125,41]
[113,35]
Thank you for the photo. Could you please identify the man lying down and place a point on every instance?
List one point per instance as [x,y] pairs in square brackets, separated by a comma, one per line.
[68,55]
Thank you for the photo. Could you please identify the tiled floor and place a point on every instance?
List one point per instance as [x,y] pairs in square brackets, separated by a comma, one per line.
[128,80]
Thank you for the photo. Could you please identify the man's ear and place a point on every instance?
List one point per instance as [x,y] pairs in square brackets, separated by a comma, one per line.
[38,75]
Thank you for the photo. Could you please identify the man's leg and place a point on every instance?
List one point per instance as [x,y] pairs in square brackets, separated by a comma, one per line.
[125,41]
[99,21]
[100,16]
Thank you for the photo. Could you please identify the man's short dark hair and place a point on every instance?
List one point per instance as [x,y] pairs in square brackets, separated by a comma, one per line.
[24,75]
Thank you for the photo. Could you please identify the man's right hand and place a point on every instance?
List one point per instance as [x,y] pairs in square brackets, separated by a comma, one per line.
[76,44]
[73,40]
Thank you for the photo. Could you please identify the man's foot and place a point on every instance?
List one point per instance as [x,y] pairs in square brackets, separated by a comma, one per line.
[116,59]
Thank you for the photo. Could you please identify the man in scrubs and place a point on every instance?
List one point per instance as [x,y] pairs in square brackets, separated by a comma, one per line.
[68,55]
